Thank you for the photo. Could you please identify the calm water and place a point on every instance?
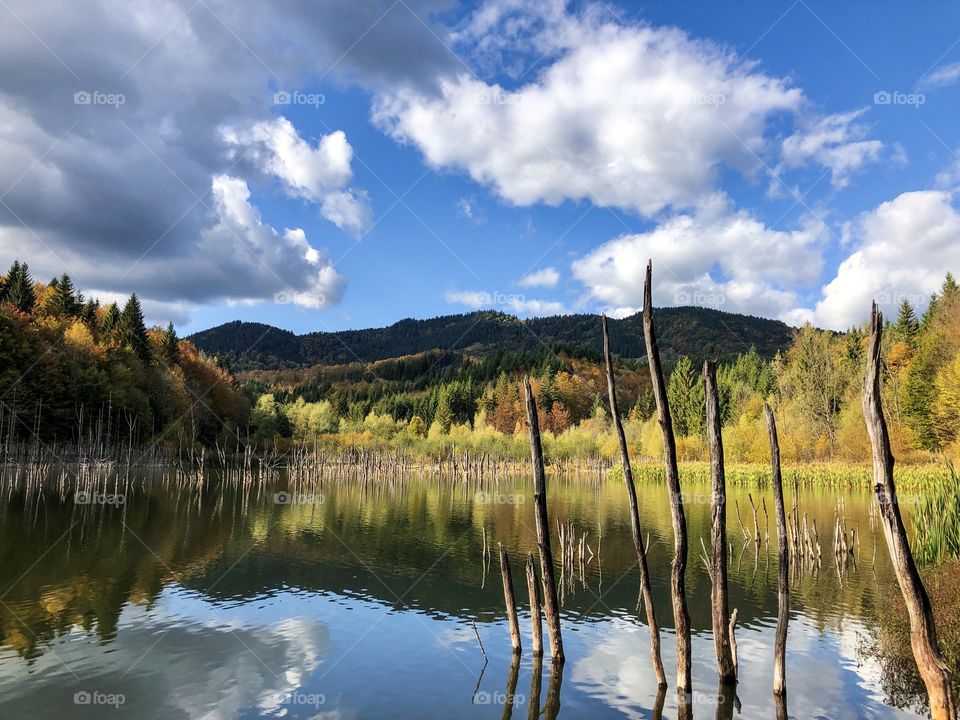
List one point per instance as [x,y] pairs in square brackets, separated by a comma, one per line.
[361,603]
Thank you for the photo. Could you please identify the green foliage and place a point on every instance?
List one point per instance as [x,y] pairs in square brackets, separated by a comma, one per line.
[685,394]
[698,332]
[132,330]
[18,288]
[64,301]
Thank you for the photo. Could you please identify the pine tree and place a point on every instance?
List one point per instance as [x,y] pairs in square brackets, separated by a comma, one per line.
[132,329]
[89,311]
[63,301]
[686,398]
[19,288]
[111,318]
[907,324]
[950,286]
[644,407]
[171,344]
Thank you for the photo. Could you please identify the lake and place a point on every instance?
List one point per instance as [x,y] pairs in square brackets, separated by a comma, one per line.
[154,598]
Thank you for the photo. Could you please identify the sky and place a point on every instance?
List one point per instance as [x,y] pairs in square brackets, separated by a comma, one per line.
[345,164]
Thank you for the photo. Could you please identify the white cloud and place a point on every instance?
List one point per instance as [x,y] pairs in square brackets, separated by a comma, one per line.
[548,277]
[835,142]
[285,262]
[715,257]
[632,117]
[905,247]
[318,174]
[942,76]
[509,302]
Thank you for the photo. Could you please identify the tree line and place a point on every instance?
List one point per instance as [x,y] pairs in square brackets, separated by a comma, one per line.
[71,366]
[67,361]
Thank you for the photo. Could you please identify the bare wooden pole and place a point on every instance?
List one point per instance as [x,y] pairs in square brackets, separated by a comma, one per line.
[718,531]
[681,616]
[645,586]
[923,631]
[509,600]
[783,576]
[536,630]
[551,607]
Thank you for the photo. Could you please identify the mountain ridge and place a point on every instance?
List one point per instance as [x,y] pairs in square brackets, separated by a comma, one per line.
[694,331]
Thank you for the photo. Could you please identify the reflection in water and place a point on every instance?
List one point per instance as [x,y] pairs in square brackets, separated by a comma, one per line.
[536,677]
[511,693]
[220,602]
[551,709]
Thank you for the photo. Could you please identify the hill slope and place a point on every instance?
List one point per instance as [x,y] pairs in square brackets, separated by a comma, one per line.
[698,332]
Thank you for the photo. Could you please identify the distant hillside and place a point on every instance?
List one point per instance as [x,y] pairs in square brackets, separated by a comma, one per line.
[698,332]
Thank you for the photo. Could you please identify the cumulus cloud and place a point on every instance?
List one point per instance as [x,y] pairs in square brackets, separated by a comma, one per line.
[111,119]
[548,277]
[634,117]
[904,248]
[716,257]
[510,302]
[835,142]
[318,174]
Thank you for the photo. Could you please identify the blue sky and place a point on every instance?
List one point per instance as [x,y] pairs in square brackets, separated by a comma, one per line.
[792,160]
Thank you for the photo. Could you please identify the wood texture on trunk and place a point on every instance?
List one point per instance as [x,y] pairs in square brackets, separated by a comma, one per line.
[678,569]
[509,599]
[551,606]
[783,574]
[645,587]
[720,610]
[923,632]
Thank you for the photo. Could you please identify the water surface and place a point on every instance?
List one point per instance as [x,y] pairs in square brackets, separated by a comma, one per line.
[353,600]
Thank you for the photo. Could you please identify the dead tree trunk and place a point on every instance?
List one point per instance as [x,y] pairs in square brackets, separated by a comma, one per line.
[551,607]
[509,600]
[681,617]
[783,576]
[923,632]
[718,531]
[536,629]
[634,515]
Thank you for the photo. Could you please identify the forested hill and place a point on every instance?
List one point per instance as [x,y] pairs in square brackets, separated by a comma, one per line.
[697,332]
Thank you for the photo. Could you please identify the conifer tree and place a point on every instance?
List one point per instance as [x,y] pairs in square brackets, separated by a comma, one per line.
[111,318]
[19,288]
[171,344]
[63,301]
[907,324]
[132,329]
